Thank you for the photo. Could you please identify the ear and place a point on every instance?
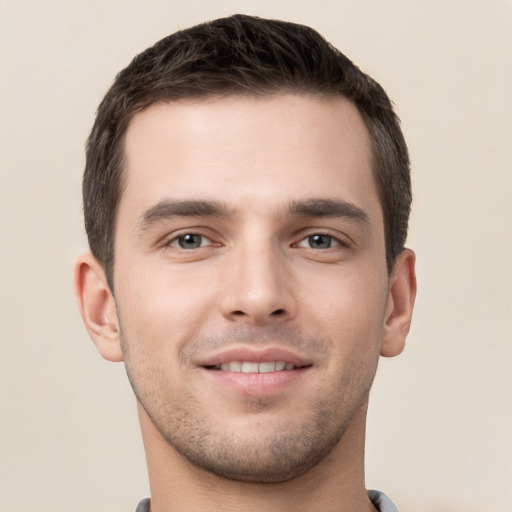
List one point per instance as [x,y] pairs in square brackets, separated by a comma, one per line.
[97,307]
[401,295]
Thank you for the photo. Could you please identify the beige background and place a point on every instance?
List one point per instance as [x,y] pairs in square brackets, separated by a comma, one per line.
[439,436]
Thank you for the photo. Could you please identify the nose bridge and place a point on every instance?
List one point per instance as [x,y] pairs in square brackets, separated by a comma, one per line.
[258,287]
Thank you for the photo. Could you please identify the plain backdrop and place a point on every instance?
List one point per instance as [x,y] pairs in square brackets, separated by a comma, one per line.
[440,421]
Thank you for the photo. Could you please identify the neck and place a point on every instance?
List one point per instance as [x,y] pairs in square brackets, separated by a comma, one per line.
[335,484]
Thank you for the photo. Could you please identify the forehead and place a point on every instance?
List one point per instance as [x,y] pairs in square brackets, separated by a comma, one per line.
[248,151]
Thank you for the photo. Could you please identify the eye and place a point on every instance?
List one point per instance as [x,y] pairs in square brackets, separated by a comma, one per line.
[190,241]
[319,241]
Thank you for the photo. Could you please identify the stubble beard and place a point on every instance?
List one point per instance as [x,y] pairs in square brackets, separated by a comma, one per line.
[271,455]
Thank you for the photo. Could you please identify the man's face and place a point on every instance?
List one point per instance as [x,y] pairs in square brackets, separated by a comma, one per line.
[250,278]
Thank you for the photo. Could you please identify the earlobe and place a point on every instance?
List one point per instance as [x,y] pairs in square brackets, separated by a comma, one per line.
[400,304]
[97,307]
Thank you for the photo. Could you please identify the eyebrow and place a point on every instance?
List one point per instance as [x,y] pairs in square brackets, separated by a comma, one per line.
[168,208]
[328,208]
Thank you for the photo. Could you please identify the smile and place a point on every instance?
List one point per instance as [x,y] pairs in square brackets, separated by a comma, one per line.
[255,370]
[255,367]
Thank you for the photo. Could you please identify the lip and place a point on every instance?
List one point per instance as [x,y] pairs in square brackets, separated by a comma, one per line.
[253,355]
[255,384]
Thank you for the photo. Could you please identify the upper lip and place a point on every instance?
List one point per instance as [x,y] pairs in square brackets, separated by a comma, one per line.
[254,355]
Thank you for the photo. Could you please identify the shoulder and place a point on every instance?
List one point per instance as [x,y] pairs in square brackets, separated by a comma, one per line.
[381,502]
[379,499]
[143,506]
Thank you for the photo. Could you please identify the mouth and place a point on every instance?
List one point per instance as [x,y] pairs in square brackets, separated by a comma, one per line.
[254,367]
[255,371]
[254,359]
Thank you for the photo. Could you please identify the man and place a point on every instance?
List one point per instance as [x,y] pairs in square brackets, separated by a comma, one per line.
[246,198]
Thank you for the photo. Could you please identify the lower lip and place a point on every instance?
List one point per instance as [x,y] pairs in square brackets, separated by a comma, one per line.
[256,384]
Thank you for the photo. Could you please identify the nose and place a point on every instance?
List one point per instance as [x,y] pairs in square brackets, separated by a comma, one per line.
[258,287]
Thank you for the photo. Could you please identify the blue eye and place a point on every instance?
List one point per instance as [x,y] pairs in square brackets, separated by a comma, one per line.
[320,241]
[189,241]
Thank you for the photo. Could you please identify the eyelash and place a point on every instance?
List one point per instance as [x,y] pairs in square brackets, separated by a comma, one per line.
[175,241]
[333,241]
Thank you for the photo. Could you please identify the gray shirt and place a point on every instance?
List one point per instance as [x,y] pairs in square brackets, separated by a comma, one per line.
[379,499]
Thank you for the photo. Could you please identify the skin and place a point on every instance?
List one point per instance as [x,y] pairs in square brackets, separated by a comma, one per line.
[250,225]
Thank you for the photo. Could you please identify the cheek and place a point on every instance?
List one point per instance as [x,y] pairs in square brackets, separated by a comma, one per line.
[353,328]
[348,296]
[348,311]
[162,310]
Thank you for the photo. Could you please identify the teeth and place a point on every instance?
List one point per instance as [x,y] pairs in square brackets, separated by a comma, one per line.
[250,367]
[267,367]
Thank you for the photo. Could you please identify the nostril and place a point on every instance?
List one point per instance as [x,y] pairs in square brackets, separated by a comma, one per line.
[277,312]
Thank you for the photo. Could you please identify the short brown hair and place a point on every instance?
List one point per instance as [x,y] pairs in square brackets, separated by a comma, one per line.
[239,55]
